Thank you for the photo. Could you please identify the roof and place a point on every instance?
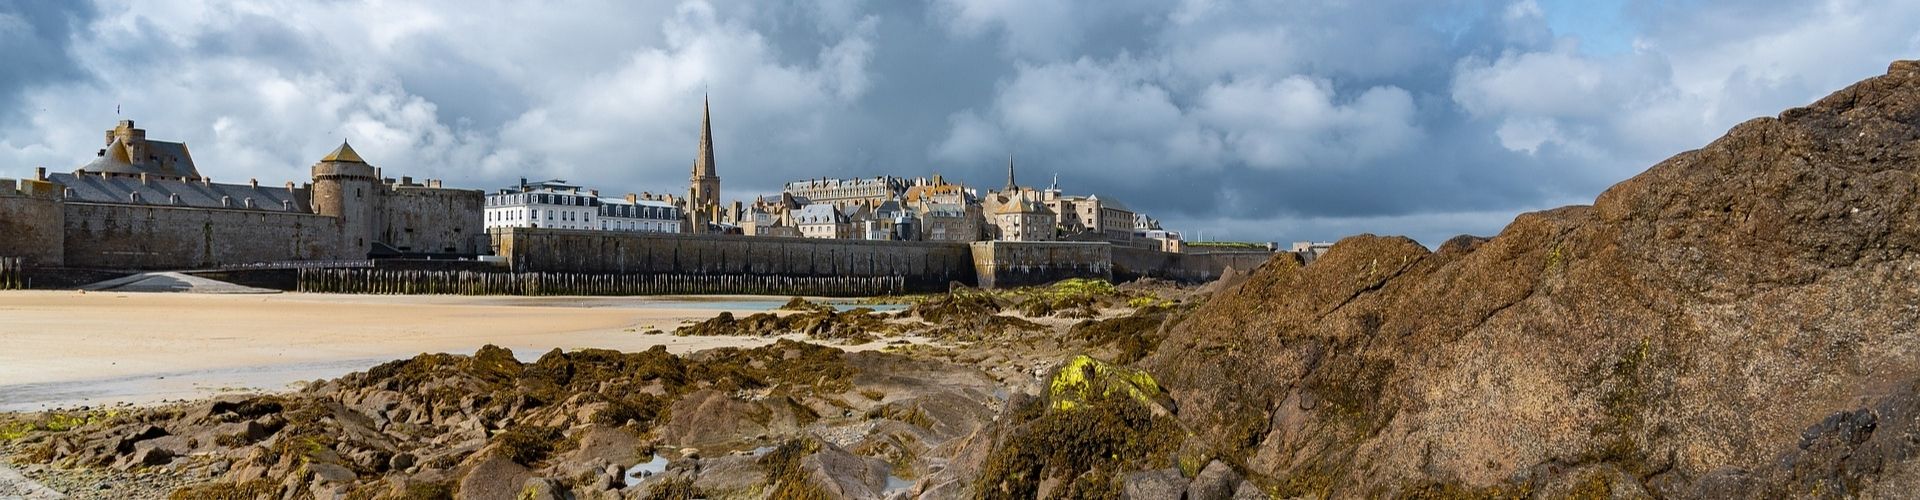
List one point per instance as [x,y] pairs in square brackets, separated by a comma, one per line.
[819,213]
[344,153]
[1018,203]
[168,159]
[160,192]
[642,202]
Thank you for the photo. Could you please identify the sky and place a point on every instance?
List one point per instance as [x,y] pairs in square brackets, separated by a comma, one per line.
[1258,120]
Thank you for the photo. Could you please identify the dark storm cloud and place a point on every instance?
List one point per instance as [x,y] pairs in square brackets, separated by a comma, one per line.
[1261,120]
[34,36]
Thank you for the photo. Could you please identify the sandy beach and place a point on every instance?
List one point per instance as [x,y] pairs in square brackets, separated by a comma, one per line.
[65,349]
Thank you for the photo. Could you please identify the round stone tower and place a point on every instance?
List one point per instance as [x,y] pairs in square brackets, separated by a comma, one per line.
[346,187]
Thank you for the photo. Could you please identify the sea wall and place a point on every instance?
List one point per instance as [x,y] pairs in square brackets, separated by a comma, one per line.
[31,223]
[999,264]
[160,237]
[433,220]
[1134,263]
[922,265]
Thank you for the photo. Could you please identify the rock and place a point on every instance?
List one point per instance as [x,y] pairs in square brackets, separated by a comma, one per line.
[846,475]
[1153,485]
[146,455]
[493,478]
[400,461]
[725,474]
[331,473]
[541,489]
[1698,323]
[1246,490]
[1217,481]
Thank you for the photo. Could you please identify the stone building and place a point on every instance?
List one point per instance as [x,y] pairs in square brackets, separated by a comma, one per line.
[822,221]
[1018,213]
[947,211]
[144,204]
[845,193]
[1019,217]
[1103,219]
[888,221]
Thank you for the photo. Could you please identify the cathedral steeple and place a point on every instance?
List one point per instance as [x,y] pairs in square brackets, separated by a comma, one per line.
[703,192]
[703,164]
[1010,185]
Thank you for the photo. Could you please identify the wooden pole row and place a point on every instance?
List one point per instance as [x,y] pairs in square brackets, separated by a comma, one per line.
[13,273]
[422,282]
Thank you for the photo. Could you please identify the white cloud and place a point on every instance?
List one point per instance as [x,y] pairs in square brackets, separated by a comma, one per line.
[1298,122]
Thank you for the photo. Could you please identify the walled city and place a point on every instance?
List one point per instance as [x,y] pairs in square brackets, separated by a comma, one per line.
[143,204]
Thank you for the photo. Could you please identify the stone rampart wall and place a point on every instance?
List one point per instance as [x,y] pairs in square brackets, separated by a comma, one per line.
[432,220]
[158,237]
[925,266]
[1000,264]
[32,226]
[1134,263]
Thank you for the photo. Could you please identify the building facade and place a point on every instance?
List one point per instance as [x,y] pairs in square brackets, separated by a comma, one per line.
[846,193]
[822,221]
[556,204]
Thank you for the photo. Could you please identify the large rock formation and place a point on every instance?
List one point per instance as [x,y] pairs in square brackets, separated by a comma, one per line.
[1739,320]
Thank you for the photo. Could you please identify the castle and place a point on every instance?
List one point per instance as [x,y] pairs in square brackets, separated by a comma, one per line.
[143,204]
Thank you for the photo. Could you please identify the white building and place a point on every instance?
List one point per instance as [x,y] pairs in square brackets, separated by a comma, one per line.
[556,204]
[632,214]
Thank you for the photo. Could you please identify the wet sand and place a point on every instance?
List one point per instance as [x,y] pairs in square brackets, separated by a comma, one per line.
[65,349]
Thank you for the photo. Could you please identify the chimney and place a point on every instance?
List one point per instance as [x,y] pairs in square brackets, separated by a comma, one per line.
[40,173]
[633,199]
[143,179]
[406,180]
[593,192]
[206,181]
[253,183]
[433,183]
[289,187]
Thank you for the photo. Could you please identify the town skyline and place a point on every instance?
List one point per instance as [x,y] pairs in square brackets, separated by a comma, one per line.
[1440,128]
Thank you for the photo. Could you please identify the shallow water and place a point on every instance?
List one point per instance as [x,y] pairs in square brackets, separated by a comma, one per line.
[640,472]
[896,484]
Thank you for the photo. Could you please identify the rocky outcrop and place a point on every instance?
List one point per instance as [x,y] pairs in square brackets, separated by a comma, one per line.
[1736,321]
[569,425]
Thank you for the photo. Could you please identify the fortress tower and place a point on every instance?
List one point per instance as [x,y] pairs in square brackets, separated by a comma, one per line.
[345,186]
[703,193]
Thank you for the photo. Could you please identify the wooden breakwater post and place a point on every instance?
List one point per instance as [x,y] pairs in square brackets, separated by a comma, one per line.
[13,273]
[440,282]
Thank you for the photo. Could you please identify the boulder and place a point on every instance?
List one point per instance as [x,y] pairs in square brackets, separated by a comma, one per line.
[493,478]
[1153,485]
[540,488]
[1217,481]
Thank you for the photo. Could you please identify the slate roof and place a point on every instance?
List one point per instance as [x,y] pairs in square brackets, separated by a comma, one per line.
[159,192]
[169,159]
[820,213]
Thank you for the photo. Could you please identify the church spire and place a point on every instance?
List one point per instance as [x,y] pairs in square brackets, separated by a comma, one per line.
[703,164]
[1010,185]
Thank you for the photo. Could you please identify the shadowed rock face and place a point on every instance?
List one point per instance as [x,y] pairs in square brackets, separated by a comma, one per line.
[1737,320]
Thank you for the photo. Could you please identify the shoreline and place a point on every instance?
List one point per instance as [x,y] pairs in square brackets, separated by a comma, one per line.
[67,349]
